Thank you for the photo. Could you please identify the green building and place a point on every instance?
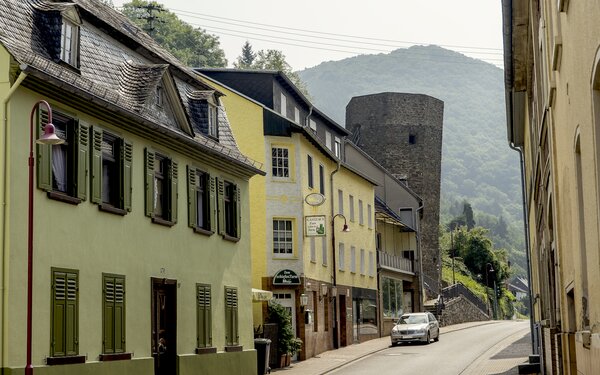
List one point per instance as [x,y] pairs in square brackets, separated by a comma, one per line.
[140,243]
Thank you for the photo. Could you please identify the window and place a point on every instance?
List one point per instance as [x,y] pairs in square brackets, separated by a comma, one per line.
[328,139]
[310,171]
[69,43]
[64,329]
[159,95]
[412,139]
[112,159]
[296,115]
[324,250]
[62,169]
[283,108]
[213,120]
[113,301]
[313,255]
[231,316]
[371,264]
[283,239]
[201,192]
[203,316]
[340,202]
[361,217]
[352,259]
[351,203]
[161,188]
[280,162]
[378,242]
[369,216]
[321,179]
[341,253]
[338,147]
[313,125]
[392,297]
[362,261]
[407,216]
[229,209]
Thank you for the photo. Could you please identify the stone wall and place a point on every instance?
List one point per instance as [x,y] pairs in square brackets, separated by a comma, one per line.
[403,133]
[461,310]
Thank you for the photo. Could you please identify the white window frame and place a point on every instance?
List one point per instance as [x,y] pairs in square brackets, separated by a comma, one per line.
[285,167]
[328,140]
[361,215]
[353,259]
[213,120]
[297,115]
[312,124]
[341,256]
[369,217]
[351,206]
[69,42]
[362,261]
[283,105]
[338,147]
[340,202]
[285,241]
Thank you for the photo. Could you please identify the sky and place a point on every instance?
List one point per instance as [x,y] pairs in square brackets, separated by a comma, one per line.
[309,32]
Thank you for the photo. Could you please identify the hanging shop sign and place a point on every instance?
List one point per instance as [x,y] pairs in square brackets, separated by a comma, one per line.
[286,277]
[314,199]
[314,225]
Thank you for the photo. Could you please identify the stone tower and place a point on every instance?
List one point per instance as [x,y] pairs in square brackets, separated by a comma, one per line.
[403,132]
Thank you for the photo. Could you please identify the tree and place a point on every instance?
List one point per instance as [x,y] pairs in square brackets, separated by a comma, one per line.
[246,59]
[468,214]
[192,46]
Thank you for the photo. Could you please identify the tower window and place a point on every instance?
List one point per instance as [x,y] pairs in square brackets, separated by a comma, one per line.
[412,139]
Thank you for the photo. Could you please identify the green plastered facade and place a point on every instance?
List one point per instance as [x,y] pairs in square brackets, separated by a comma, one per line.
[81,237]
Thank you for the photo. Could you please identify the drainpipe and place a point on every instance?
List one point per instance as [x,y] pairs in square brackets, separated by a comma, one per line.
[4,144]
[333,264]
[420,259]
[526,230]
[306,121]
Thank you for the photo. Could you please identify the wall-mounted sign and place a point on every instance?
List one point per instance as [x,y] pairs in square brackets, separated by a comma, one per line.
[315,199]
[286,277]
[314,225]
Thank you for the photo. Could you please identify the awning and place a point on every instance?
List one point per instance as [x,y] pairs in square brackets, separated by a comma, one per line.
[259,295]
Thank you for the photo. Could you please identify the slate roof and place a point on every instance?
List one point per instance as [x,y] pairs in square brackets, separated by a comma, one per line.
[119,65]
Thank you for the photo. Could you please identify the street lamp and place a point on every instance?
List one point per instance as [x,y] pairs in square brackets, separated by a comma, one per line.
[490,268]
[49,138]
[335,322]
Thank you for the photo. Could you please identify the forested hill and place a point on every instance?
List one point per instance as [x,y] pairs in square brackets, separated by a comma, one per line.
[477,163]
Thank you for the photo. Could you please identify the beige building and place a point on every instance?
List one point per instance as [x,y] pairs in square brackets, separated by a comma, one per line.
[552,71]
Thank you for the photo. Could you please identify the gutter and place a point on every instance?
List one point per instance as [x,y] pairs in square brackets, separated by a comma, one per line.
[420,258]
[4,144]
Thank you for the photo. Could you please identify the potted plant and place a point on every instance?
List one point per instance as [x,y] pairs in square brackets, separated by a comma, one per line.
[287,342]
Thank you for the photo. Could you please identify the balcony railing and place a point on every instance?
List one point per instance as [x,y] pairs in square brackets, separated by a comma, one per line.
[395,263]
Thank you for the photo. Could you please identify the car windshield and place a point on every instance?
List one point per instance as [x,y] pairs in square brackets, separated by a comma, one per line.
[412,319]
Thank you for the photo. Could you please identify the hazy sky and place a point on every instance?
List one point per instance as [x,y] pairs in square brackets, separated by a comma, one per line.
[309,32]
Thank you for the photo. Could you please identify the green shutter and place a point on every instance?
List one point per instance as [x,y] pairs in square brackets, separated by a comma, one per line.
[149,181]
[119,320]
[238,212]
[127,160]
[204,318]
[82,149]
[231,316]
[59,307]
[108,339]
[96,176]
[192,199]
[71,312]
[44,155]
[212,205]
[173,176]
[221,205]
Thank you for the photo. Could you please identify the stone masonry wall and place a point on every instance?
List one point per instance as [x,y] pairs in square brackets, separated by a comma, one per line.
[403,132]
[461,310]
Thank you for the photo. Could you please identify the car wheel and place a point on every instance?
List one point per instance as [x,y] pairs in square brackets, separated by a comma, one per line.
[428,338]
[437,338]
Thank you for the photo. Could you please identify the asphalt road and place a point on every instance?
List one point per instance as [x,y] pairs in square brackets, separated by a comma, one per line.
[454,354]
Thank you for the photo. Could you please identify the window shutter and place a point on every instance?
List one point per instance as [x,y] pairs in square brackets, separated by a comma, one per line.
[109,315]
[71,315]
[221,205]
[204,319]
[96,193]
[59,308]
[44,155]
[173,174]
[212,205]
[83,140]
[127,160]
[119,319]
[192,204]
[231,312]
[238,212]
[149,181]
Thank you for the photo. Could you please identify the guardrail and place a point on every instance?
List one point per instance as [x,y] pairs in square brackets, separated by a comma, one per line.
[395,262]
[458,289]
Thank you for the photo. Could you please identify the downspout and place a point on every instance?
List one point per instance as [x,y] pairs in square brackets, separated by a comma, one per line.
[306,120]
[333,264]
[526,230]
[4,144]
[420,260]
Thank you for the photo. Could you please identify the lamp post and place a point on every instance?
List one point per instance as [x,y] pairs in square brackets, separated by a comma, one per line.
[49,138]
[334,278]
[490,268]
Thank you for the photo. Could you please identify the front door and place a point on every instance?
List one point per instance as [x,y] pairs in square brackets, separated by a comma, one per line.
[164,326]
[286,299]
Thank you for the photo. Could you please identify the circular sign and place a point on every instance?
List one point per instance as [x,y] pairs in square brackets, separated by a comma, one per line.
[315,199]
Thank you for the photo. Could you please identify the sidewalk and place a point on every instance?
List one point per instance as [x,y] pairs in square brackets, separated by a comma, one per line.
[334,359]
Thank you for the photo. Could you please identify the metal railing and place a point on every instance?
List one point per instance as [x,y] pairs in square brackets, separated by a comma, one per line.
[431,284]
[453,291]
[397,263]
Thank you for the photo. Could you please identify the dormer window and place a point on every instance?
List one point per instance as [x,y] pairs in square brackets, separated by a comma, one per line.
[69,38]
[213,121]
[159,95]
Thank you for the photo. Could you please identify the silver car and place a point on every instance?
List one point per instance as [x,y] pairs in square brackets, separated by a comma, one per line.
[416,327]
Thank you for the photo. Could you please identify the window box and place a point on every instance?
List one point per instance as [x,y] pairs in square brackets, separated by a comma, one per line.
[114,357]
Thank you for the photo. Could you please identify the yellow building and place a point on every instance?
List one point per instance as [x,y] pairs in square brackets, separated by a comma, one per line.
[552,71]
[326,276]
